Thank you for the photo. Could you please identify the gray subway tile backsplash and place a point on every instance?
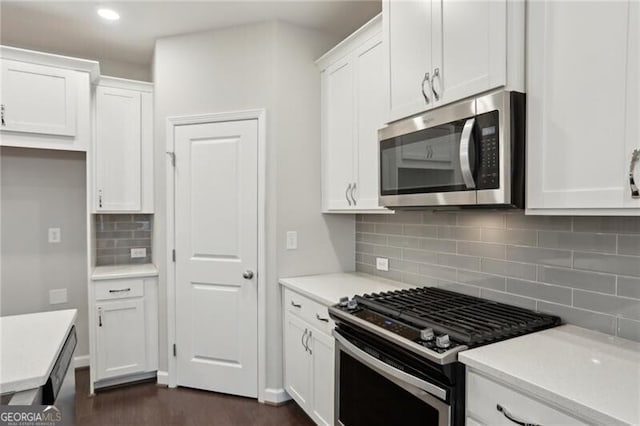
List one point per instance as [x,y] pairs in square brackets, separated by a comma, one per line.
[603,243]
[584,269]
[629,287]
[117,234]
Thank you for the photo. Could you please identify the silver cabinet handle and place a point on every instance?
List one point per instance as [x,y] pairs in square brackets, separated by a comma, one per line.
[122,290]
[100,198]
[247,275]
[302,340]
[346,194]
[635,158]
[306,344]
[295,305]
[99,317]
[2,114]
[508,415]
[425,80]
[436,73]
[466,141]
[319,318]
[353,198]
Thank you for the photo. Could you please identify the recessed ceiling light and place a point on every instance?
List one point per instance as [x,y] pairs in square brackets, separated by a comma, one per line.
[109,14]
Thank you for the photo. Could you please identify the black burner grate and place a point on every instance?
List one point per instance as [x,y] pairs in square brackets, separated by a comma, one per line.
[467,319]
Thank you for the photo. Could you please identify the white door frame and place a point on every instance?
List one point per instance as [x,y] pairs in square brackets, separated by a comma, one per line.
[172,123]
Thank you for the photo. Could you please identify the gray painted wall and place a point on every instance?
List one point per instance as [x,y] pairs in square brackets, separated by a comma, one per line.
[584,269]
[42,189]
[266,65]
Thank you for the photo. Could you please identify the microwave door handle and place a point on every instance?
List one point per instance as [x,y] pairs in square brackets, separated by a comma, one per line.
[466,141]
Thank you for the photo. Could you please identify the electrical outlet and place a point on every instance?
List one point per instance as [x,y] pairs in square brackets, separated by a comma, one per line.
[55,235]
[382,264]
[292,240]
[57,296]
[138,252]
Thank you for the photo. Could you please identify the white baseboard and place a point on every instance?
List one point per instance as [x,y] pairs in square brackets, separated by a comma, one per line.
[81,361]
[275,396]
[163,378]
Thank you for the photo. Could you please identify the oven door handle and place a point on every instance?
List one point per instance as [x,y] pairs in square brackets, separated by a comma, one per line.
[364,357]
[466,141]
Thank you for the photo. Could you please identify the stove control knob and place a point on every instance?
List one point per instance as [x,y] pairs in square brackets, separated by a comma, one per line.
[352,304]
[427,334]
[343,302]
[443,341]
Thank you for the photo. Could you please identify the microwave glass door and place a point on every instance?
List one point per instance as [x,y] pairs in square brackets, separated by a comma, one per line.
[427,161]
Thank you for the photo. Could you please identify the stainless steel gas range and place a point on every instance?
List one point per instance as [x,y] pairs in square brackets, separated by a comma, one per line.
[396,353]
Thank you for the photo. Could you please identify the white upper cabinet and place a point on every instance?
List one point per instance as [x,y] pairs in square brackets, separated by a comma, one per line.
[353,109]
[338,133]
[407,44]
[582,107]
[441,51]
[124,146]
[38,99]
[45,100]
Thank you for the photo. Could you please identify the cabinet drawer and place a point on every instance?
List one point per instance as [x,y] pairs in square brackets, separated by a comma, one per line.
[484,396]
[311,311]
[119,289]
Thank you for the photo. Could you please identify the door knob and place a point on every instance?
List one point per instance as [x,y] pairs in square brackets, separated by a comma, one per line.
[247,275]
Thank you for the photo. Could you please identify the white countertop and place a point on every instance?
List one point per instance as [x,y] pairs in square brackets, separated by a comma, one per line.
[124,271]
[329,288]
[583,371]
[30,345]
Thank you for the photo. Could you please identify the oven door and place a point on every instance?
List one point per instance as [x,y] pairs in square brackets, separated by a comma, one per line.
[430,160]
[370,392]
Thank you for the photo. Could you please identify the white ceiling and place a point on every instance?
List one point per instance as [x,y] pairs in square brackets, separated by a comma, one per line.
[73,27]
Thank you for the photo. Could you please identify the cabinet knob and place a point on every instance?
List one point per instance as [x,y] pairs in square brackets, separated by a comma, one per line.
[247,275]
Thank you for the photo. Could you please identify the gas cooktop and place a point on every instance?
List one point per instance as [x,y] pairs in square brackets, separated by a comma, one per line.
[437,323]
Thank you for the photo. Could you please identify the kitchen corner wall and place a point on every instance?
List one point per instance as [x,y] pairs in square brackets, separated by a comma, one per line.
[267,65]
[43,189]
[584,269]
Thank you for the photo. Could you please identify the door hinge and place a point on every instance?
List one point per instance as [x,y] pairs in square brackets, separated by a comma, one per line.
[173,255]
[173,157]
[175,351]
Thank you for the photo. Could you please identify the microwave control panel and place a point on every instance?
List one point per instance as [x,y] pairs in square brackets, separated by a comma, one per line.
[488,151]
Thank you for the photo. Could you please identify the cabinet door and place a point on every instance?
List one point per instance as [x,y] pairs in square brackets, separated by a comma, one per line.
[370,116]
[633,100]
[338,133]
[576,92]
[468,47]
[118,150]
[38,99]
[407,32]
[120,338]
[323,369]
[297,360]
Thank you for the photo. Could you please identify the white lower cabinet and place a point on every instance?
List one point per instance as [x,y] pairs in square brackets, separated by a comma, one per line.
[309,357]
[126,328]
[496,404]
[121,347]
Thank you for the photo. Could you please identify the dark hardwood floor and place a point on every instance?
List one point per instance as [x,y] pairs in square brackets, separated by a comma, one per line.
[150,404]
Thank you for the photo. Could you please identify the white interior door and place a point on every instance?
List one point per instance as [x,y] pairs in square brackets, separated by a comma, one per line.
[216,235]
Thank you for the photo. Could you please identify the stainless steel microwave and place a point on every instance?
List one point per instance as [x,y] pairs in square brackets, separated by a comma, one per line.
[470,153]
